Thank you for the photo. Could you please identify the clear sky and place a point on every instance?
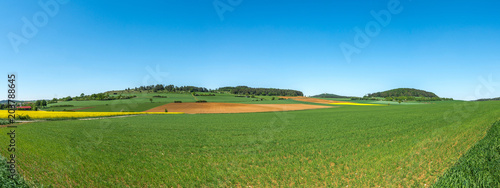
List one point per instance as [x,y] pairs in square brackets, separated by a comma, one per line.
[65,48]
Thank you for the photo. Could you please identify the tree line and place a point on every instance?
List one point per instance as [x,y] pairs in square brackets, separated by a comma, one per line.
[245,90]
[169,88]
[400,92]
[240,90]
[403,98]
[98,96]
[491,99]
[34,105]
[329,95]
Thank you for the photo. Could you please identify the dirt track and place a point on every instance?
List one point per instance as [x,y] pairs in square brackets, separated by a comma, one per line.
[205,108]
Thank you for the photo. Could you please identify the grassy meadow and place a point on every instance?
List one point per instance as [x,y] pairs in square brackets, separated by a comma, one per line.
[360,146]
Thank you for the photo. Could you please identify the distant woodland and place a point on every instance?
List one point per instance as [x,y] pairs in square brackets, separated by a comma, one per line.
[238,90]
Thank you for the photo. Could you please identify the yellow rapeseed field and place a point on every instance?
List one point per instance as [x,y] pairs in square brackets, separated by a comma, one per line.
[49,114]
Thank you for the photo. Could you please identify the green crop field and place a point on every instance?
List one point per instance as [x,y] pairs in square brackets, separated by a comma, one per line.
[137,104]
[480,167]
[354,146]
[142,102]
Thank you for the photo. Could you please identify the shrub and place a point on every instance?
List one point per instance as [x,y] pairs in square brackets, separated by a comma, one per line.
[201,101]
[23,117]
[17,181]
[67,105]
[177,101]
[159,96]
[166,110]
[209,94]
[4,122]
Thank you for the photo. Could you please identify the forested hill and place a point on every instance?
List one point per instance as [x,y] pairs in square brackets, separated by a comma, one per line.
[245,90]
[239,90]
[491,99]
[329,95]
[403,92]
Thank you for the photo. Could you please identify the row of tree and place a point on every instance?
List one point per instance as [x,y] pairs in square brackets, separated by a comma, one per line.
[34,105]
[241,90]
[491,99]
[169,88]
[98,96]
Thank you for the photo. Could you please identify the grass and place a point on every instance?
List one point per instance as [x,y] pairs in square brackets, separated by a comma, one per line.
[480,167]
[397,145]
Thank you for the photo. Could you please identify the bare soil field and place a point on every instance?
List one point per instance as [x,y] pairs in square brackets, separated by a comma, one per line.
[206,108]
[313,100]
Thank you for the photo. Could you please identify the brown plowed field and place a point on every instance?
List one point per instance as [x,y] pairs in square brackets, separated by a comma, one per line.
[206,108]
[314,100]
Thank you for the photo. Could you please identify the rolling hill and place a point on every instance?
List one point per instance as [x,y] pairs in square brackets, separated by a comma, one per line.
[400,92]
[329,95]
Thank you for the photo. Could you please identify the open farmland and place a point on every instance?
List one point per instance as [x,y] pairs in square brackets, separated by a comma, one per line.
[355,146]
[207,108]
[142,102]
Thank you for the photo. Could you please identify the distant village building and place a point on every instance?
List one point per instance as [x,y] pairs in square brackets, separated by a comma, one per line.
[24,108]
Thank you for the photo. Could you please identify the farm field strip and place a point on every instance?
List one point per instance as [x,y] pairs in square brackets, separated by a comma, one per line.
[312,100]
[202,108]
[49,115]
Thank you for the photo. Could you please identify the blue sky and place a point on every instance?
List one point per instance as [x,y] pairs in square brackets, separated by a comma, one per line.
[447,47]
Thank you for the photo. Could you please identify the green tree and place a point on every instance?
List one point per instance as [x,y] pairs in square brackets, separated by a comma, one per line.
[151,100]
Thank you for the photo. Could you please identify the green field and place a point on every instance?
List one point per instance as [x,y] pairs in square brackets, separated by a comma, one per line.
[355,146]
[480,167]
[379,102]
[142,102]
